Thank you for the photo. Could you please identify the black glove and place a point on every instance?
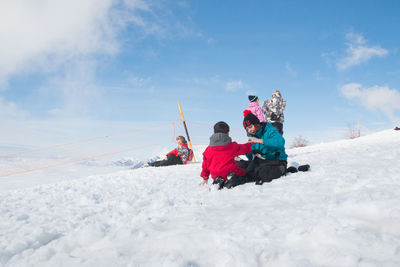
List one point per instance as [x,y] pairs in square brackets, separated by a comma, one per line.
[274,117]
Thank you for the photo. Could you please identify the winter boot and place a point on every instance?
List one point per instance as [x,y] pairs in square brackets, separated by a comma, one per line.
[259,182]
[291,169]
[229,184]
[220,182]
[304,168]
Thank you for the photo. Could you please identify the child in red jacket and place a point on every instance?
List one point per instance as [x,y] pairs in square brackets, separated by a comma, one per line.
[219,156]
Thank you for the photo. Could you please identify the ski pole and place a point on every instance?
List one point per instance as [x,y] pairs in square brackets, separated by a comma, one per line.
[186,130]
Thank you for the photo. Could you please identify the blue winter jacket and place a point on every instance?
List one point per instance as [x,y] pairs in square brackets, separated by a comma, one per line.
[274,144]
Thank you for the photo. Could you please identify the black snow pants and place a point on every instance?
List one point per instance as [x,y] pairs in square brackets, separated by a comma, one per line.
[171,160]
[259,171]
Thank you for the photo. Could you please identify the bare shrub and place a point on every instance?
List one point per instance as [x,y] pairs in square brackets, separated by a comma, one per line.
[299,141]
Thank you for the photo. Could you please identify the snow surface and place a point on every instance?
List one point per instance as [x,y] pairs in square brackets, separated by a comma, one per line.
[344,212]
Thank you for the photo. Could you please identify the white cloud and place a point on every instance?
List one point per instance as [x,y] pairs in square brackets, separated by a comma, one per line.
[9,111]
[48,32]
[210,41]
[358,52]
[380,98]
[42,36]
[66,41]
[136,83]
[76,93]
[290,70]
[351,90]
[355,38]
[234,86]
[330,58]
[317,75]
[76,89]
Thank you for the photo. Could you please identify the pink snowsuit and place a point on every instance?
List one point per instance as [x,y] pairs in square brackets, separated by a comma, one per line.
[255,108]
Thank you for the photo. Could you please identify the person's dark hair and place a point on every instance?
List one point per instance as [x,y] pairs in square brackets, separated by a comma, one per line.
[182,138]
[221,127]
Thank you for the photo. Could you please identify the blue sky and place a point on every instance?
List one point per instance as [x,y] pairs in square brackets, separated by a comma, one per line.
[73,69]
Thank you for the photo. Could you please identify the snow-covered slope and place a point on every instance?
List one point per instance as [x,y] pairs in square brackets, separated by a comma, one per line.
[344,212]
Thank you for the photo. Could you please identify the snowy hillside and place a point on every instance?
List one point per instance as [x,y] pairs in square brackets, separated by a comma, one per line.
[344,212]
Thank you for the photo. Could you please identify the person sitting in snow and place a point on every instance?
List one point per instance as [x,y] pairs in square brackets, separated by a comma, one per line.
[255,108]
[177,156]
[268,159]
[273,110]
[219,156]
